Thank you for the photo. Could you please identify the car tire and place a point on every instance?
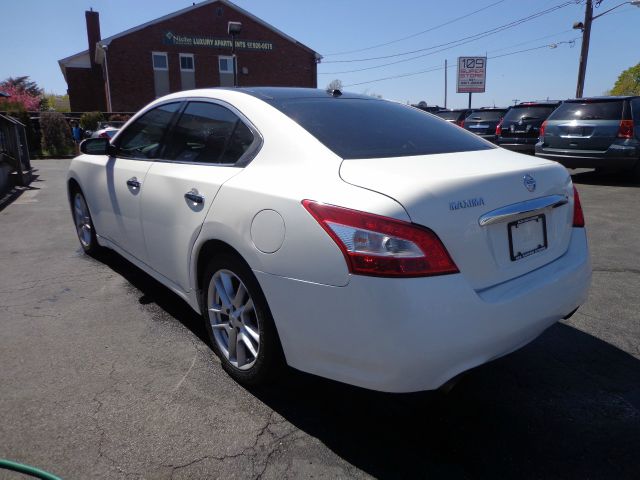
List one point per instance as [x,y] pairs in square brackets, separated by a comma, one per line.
[83,222]
[239,322]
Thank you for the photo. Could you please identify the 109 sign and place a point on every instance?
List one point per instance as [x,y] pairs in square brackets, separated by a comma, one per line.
[472,74]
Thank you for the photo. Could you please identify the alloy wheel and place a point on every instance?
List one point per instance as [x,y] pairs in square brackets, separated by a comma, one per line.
[233,318]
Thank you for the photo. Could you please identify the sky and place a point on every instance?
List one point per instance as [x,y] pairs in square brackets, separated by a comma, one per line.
[37,33]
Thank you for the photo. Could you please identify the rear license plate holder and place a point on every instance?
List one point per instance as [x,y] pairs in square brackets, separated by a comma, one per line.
[527,237]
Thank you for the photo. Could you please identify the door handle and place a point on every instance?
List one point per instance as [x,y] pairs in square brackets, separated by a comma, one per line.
[193,196]
[133,182]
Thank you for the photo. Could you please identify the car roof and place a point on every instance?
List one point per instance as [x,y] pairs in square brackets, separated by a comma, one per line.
[275,94]
[610,98]
[535,104]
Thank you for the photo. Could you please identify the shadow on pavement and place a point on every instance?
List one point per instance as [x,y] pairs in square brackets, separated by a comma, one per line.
[16,191]
[566,406]
[608,179]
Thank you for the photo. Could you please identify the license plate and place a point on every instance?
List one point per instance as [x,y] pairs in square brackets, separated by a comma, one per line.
[527,237]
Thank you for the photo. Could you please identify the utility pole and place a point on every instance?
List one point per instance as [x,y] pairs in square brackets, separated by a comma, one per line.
[584,52]
[445,83]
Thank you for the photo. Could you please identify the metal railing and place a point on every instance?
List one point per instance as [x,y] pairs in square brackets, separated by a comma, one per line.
[14,149]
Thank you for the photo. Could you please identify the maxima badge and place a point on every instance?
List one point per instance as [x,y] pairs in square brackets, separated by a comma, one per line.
[529,182]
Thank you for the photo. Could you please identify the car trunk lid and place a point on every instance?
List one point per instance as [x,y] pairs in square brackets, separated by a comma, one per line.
[449,193]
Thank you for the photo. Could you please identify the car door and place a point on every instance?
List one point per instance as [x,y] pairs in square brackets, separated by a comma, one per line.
[203,150]
[136,148]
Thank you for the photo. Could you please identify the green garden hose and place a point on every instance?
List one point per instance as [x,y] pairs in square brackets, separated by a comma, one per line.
[26,469]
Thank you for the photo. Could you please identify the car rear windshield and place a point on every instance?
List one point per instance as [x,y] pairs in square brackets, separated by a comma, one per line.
[486,115]
[363,128]
[608,110]
[530,112]
[449,115]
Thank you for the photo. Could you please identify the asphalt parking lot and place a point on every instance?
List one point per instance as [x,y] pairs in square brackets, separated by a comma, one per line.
[107,374]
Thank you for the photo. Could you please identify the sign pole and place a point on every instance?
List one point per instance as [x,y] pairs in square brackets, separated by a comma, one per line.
[445,83]
[469,99]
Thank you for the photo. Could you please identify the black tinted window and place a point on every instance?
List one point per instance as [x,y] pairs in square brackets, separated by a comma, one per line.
[448,115]
[208,133]
[142,138]
[635,108]
[528,113]
[588,111]
[486,115]
[359,128]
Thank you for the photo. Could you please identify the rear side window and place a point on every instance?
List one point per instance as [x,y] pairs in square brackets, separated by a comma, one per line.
[448,115]
[142,138]
[208,133]
[363,128]
[635,109]
[537,112]
[486,115]
[588,111]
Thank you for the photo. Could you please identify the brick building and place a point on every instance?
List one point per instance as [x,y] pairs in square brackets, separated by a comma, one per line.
[180,51]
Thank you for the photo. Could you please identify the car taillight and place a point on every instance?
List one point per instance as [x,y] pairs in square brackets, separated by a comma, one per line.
[626,129]
[578,215]
[542,128]
[381,246]
[499,127]
[103,135]
[460,123]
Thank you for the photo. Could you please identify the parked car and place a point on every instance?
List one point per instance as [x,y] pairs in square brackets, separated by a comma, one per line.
[520,126]
[456,116]
[483,122]
[353,238]
[599,132]
[107,132]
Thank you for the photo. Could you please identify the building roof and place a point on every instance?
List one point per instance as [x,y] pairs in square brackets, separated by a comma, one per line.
[81,59]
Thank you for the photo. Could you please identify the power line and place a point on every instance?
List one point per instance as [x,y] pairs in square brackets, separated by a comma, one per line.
[476,36]
[431,29]
[435,68]
[431,53]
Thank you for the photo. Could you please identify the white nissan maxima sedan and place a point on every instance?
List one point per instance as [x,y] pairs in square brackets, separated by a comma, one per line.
[353,238]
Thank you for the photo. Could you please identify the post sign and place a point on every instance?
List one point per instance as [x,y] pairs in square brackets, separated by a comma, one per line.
[472,74]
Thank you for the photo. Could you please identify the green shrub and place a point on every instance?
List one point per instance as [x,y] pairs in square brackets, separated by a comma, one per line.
[90,120]
[56,134]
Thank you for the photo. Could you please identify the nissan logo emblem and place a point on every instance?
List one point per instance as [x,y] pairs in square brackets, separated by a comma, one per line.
[529,182]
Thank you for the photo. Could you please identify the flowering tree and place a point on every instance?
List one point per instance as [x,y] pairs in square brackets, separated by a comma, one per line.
[23,92]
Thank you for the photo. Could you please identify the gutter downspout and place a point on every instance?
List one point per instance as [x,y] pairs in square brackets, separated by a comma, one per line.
[108,85]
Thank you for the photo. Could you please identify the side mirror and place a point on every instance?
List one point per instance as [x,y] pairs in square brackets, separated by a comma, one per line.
[97,146]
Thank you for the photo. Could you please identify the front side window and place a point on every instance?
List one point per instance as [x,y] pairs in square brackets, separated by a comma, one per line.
[208,133]
[142,139]
[159,60]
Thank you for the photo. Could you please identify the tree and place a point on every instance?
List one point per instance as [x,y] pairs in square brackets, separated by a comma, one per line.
[628,82]
[23,91]
[334,85]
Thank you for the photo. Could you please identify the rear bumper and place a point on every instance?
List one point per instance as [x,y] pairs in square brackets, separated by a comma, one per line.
[523,145]
[617,156]
[404,335]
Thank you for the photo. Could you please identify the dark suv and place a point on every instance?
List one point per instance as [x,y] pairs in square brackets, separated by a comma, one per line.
[599,132]
[520,126]
[484,121]
[455,116]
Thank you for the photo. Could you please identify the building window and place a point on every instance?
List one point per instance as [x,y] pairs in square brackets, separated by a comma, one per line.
[225,64]
[186,62]
[160,61]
